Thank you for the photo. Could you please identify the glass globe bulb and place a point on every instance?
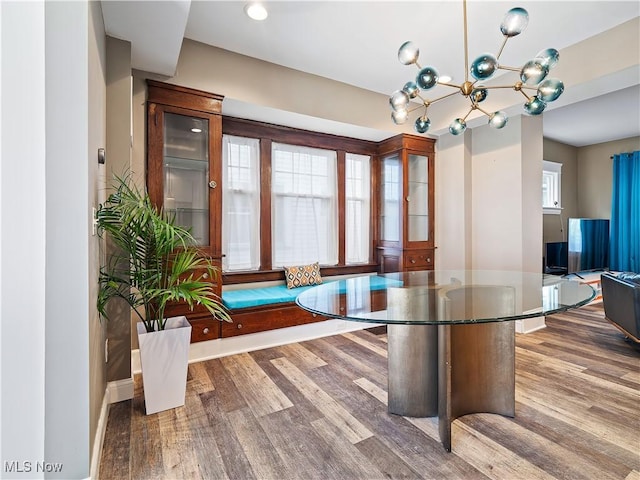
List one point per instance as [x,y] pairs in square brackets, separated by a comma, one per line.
[422,124]
[498,119]
[408,53]
[533,72]
[550,90]
[411,89]
[399,116]
[484,66]
[535,106]
[457,126]
[399,100]
[514,22]
[479,94]
[548,58]
[427,78]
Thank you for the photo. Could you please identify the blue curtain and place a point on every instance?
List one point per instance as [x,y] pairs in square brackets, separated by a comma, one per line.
[625,213]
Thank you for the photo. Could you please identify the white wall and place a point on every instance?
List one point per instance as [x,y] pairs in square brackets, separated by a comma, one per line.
[52,92]
[496,197]
[488,212]
[531,150]
[22,216]
[453,191]
[68,219]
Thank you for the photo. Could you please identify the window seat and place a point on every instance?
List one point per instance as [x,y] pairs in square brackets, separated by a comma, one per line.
[254,297]
[259,308]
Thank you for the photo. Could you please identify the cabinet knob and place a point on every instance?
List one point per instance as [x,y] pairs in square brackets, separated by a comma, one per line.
[205,276]
[213,184]
[239,326]
[413,260]
[206,330]
[428,260]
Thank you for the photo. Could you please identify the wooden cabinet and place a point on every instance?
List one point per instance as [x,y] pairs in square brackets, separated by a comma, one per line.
[406,191]
[267,317]
[184,171]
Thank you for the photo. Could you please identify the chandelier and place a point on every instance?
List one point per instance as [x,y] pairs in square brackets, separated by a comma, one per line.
[533,76]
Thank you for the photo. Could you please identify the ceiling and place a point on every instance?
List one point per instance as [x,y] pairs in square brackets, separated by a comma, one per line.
[356,42]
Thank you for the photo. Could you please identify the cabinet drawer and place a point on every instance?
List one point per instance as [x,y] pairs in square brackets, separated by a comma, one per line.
[270,317]
[418,260]
[204,329]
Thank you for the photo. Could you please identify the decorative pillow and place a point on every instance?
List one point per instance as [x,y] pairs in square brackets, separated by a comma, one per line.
[302,275]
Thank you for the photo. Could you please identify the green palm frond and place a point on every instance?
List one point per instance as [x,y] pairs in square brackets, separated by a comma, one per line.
[158,262]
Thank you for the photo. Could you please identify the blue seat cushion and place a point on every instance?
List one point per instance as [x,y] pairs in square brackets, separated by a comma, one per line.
[255,297]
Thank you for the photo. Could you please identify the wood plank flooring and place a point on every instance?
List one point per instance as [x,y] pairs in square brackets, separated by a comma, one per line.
[317,410]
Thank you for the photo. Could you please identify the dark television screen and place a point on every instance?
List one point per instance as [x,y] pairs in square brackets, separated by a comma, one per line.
[588,244]
[556,258]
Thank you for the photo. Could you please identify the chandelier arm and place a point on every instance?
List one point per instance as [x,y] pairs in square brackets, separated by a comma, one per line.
[525,95]
[466,47]
[502,47]
[416,108]
[512,69]
[483,111]
[444,96]
[418,65]
[426,102]
[469,112]
[450,85]
[499,86]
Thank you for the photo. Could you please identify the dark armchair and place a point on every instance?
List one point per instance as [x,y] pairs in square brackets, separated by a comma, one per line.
[621,298]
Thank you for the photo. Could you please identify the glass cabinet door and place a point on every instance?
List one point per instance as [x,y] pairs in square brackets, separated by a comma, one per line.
[418,198]
[390,192]
[186,173]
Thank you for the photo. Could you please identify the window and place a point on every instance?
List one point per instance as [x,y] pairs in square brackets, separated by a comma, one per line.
[304,205]
[240,203]
[358,201]
[293,197]
[551,183]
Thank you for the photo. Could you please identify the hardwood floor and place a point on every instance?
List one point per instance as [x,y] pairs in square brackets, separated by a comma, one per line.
[317,410]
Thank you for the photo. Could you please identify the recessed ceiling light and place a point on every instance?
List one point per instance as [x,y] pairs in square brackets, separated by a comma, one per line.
[256,11]
[445,78]
[196,130]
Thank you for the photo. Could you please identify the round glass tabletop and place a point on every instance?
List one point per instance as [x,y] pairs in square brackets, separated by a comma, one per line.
[431,297]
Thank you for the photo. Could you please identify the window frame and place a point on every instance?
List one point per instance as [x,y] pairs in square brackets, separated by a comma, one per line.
[252,193]
[324,201]
[553,170]
[268,134]
[364,199]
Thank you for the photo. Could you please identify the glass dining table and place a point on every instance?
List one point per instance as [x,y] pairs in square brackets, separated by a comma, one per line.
[451,333]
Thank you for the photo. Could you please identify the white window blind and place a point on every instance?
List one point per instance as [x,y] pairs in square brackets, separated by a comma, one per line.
[358,201]
[304,206]
[240,203]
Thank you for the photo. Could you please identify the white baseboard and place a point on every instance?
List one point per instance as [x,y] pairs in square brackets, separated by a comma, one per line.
[529,325]
[98,441]
[115,392]
[120,390]
[223,347]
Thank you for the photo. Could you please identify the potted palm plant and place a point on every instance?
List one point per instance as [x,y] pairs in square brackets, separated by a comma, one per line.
[155,263]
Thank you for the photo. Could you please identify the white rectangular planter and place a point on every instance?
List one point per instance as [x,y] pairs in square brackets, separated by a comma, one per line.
[164,358]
